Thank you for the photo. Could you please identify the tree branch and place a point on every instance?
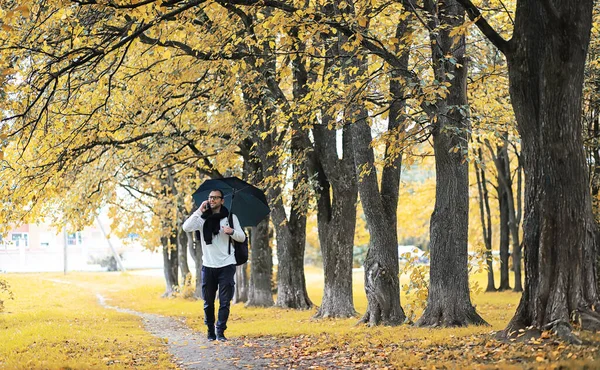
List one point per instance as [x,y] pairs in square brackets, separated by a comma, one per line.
[483,25]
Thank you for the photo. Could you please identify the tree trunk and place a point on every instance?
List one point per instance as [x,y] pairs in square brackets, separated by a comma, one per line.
[448,301]
[170,265]
[337,221]
[504,233]
[182,252]
[381,263]
[337,193]
[260,291]
[241,284]
[486,219]
[382,285]
[505,182]
[593,132]
[546,64]
[291,232]
[291,283]
[195,249]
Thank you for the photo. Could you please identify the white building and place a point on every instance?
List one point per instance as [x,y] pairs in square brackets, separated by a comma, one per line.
[37,248]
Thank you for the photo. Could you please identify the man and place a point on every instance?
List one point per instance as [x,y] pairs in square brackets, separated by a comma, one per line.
[218,259]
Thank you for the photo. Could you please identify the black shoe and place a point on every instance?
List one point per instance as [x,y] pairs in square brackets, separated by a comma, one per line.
[211,335]
[221,337]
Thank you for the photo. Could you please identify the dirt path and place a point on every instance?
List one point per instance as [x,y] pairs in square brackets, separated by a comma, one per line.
[193,351]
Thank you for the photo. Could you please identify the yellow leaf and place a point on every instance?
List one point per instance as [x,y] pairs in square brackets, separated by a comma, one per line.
[1,155]
[539,359]
[24,9]
[362,21]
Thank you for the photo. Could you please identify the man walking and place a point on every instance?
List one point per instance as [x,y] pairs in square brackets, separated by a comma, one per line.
[218,259]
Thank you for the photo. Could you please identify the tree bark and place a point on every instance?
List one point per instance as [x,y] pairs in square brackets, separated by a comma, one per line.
[486,219]
[546,66]
[448,301]
[381,263]
[170,265]
[195,249]
[380,204]
[546,60]
[241,284]
[290,232]
[182,252]
[514,219]
[337,194]
[504,228]
[260,291]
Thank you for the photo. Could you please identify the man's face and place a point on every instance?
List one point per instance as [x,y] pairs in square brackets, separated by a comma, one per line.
[215,200]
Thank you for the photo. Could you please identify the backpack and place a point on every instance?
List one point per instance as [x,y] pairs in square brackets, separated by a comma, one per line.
[240,250]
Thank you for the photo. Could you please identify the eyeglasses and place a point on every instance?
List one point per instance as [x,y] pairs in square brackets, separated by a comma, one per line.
[214,197]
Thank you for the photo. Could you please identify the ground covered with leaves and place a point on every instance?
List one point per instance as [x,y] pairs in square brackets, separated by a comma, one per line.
[55,322]
[327,351]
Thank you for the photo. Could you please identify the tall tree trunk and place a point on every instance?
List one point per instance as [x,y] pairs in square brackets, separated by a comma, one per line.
[594,151]
[195,249]
[291,232]
[337,221]
[260,289]
[291,283]
[170,265]
[546,65]
[261,267]
[182,252]
[448,301]
[241,284]
[381,263]
[514,211]
[486,219]
[380,206]
[504,232]
[337,193]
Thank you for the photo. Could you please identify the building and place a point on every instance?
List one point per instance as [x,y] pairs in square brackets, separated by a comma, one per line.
[40,248]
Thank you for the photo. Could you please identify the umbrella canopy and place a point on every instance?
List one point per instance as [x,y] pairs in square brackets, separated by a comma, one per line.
[246,201]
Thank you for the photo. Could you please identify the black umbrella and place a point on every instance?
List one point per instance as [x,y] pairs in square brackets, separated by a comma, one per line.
[246,201]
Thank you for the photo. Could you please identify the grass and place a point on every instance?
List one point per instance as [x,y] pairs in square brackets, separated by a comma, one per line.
[52,325]
[81,334]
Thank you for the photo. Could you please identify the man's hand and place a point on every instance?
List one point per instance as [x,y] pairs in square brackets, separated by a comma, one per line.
[228,230]
[204,206]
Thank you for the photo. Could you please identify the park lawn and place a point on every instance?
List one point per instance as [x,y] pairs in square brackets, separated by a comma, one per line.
[56,325]
[341,339]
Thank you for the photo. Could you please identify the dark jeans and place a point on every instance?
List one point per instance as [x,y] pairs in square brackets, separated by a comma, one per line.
[222,278]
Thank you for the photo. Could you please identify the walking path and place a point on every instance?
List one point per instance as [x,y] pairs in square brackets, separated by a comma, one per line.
[193,351]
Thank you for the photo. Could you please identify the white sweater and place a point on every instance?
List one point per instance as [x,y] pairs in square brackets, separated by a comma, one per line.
[216,254]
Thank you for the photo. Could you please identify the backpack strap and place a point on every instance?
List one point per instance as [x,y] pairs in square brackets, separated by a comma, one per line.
[230,225]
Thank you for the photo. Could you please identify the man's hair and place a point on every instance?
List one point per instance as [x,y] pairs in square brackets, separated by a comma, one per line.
[220,192]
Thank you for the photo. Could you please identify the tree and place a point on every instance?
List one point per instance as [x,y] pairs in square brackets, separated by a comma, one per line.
[335,186]
[546,58]
[512,206]
[260,288]
[448,300]
[108,104]
[486,218]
